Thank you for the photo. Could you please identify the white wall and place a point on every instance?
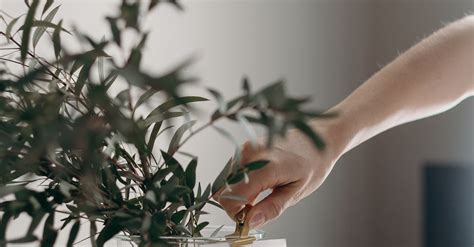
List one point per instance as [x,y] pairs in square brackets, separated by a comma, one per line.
[324,49]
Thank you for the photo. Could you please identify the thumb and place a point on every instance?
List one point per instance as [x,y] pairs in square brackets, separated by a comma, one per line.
[271,207]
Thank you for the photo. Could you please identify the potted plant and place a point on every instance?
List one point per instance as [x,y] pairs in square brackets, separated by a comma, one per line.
[72,146]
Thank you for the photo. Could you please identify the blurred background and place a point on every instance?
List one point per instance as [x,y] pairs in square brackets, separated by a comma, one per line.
[325,49]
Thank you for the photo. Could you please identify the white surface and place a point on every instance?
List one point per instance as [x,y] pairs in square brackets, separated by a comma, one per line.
[262,243]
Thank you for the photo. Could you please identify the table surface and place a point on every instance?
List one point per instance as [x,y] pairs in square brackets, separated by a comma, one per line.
[261,243]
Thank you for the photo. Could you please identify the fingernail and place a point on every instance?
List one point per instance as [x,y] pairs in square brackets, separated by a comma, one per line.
[257,220]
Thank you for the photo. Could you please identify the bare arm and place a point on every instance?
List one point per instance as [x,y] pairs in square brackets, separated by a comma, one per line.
[431,77]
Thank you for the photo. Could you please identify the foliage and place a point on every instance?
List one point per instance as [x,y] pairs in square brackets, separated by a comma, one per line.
[71,149]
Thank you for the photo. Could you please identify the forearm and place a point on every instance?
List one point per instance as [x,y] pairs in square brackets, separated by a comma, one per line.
[431,77]
[427,79]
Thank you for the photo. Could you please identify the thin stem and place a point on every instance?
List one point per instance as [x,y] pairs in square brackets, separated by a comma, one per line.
[6,14]
[203,127]
[93,232]
[13,61]
[75,107]
[84,239]
[9,54]
[9,48]
[33,56]
[40,61]
[69,213]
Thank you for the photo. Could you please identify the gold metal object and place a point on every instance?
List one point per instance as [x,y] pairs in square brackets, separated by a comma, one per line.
[241,235]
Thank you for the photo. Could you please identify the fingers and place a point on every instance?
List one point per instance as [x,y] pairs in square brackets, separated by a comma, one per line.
[232,207]
[259,181]
[272,206]
[249,153]
[275,175]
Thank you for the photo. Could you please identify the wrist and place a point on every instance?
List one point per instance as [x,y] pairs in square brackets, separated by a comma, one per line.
[335,133]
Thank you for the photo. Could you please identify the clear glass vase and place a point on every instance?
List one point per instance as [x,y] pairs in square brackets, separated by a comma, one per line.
[207,238]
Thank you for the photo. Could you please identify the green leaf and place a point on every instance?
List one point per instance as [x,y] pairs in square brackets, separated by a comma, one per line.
[153,135]
[235,178]
[78,63]
[100,66]
[22,240]
[73,209]
[183,230]
[10,26]
[232,103]
[4,223]
[47,5]
[246,86]
[215,204]
[178,216]
[158,225]
[215,232]
[123,153]
[123,96]
[66,221]
[25,39]
[177,191]
[309,132]
[200,227]
[222,106]
[321,114]
[153,4]
[156,118]
[116,33]
[49,233]
[45,24]
[255,165]
[142,42]
[110,79]
[201,199]
[130,12]
[162,173]
[176,140]
[175,3]
[190,174]
[144,97]
[174,103]
[73,233]
[41,30]
[247,126]
[274,94]
[206,194]
[171,162]
[10,189]
[221,178]
[36,219]
[82,78]
[112,227]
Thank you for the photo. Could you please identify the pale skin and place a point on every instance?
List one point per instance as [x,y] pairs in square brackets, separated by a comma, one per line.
[429,78]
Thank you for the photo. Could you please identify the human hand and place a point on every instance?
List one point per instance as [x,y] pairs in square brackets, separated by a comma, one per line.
[296,169]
